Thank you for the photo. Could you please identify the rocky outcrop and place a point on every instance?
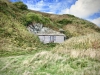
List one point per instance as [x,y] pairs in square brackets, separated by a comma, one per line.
[38,28]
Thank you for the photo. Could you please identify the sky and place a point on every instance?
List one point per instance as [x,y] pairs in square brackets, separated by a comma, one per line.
[86,9]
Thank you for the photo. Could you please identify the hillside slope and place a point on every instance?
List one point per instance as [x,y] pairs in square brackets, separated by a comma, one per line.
[14,37]
[72,25]
[15,17]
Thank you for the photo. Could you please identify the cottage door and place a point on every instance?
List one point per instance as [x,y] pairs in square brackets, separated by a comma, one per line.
[52,38]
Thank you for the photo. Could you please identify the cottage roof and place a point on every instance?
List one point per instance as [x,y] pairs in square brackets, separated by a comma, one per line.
[60,34]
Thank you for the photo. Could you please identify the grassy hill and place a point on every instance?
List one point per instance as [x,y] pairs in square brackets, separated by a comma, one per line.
[72,25]
[14,36]
[21,53]
[15,17]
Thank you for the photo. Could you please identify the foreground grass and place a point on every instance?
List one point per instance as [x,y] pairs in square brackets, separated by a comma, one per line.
[48,63]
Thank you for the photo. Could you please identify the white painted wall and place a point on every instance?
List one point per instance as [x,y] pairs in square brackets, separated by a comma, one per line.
[59,39]
[42,38]
[47,39]
[51,38]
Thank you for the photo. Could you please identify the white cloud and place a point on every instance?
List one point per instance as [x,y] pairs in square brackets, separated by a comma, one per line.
[54,6]
[51,12]
[38,6]
[83,8]
[96,21]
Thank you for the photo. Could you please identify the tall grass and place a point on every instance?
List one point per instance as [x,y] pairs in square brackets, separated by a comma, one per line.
[48,63]
[64,59]
[82,46]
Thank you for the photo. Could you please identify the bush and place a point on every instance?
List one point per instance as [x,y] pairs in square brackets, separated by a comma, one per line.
[64,21]
[32,17]
[68,34]
[70,15]
[38,18]
[20,5]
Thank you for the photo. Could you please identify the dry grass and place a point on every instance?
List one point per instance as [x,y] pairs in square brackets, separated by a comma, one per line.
[82,46]
[77,30]
[64,59]
[48,63]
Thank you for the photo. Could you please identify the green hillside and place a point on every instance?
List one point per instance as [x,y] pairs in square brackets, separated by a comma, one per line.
[73,26]
[21,53]
[14,36]
[15,17]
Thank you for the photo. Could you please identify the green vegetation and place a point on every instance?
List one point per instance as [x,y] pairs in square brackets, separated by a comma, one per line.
[63,59]
[20,5]
[48,63]
[14,37]
[65,22]
[82,46]
[21,53]
[36,18]
[84,42]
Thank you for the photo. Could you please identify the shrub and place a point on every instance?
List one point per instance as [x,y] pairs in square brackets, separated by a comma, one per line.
[38,18]
[68,34]
[20,5]
[70,15]
[32,17]
[64,21]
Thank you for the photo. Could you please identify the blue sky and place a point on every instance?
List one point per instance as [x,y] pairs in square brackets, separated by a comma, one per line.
[86,9]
